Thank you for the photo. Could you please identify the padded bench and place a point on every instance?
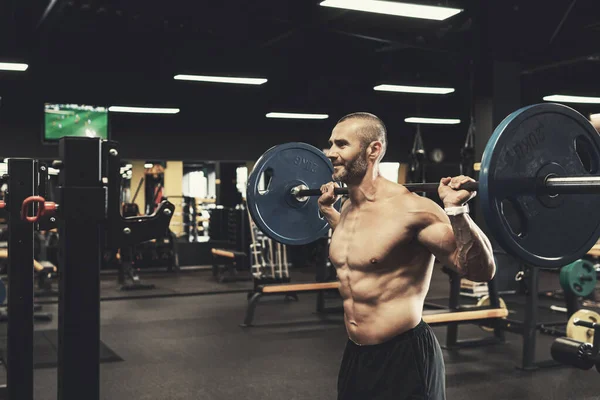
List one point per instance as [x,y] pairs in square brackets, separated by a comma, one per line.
[441,317]
[288,289]
[595,250]
[232,260]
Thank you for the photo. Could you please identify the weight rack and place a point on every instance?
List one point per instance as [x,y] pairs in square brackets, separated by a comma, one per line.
[89,220]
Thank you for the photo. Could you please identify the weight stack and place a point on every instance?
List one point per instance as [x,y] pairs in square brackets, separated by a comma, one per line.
[190,218]
[233,225]
[238,229]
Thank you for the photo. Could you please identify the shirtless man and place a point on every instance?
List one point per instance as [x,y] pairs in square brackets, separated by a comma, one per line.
[383,247]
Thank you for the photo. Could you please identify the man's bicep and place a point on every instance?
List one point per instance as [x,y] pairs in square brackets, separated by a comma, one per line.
[438,238]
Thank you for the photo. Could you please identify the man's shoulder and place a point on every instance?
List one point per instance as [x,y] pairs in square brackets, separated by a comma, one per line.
[399,194]
[420,209]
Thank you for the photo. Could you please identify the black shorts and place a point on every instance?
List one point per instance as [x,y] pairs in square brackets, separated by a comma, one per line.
[408,366]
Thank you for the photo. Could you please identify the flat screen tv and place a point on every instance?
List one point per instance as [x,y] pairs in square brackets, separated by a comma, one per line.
[74,120]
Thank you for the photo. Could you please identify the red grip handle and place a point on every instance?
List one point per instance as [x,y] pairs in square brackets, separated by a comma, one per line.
[44,207]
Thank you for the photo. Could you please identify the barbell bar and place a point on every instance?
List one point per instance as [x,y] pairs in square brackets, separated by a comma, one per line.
[549,185]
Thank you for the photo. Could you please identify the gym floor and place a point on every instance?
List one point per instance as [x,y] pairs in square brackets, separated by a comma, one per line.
[193,348]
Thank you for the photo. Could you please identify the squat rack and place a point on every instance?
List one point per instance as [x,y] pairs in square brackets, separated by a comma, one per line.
[89,221]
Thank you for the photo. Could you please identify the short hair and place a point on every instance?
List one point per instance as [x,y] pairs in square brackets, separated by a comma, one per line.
[373,129]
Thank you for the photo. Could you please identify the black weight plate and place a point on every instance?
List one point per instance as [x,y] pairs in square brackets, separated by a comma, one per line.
[534,141]
[276,212]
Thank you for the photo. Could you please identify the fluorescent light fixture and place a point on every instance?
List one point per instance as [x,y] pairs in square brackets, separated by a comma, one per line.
[442,121]
[148,165]
[143,110]
[221,79]
[13,66]
[413,89]
[393,8]
[559,98]
[296,115]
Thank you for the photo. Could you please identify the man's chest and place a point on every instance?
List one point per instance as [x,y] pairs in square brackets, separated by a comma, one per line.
[370,238]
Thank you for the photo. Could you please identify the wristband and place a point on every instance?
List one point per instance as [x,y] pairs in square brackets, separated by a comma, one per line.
[457,210]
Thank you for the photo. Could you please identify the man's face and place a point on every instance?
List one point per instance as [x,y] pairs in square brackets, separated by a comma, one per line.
[348,158]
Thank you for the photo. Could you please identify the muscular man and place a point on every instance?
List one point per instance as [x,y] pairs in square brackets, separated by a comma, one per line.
[383,247]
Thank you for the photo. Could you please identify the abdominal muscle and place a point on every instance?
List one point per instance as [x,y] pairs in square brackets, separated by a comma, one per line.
[380,305]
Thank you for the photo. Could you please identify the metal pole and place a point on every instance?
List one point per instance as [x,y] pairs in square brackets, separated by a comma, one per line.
[573,184]
[82,200]
[19,359]
[530,322]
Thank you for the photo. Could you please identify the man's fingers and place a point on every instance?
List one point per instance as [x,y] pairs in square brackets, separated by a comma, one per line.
[457,181]
[328,190]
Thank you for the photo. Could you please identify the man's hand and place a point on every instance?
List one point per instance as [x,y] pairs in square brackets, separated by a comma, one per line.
[328,197]
[450,193]
[326,201]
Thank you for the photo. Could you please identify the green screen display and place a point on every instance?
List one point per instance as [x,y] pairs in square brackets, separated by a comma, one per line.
[74,120]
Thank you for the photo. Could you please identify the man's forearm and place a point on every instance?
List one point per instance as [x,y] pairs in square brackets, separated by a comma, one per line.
[331,215]
[474,253]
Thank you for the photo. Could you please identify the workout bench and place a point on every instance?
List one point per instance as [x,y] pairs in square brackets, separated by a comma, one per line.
[432,317]
[443,317]
[289,290]
[232,260]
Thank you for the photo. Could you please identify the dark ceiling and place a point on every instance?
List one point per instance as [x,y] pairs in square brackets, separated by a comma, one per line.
[317,59]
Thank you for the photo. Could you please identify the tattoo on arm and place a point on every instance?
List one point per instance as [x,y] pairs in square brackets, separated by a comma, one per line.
[473,249]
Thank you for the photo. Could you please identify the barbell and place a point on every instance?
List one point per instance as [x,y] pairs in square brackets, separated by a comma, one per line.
[538,187]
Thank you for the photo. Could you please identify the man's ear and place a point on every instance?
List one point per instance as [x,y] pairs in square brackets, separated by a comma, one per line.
[374,150]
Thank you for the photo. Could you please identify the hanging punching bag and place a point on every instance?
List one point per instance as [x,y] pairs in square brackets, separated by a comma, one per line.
[417,159]
[467,152]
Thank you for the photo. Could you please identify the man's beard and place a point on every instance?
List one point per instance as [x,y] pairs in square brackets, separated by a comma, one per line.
[353,171]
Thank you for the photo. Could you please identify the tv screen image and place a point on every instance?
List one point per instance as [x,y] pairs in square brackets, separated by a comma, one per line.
[74,120]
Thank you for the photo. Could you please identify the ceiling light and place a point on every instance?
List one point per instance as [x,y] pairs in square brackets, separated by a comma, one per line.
[443,121]
[221,79]
[13,66]
[394,8]
[572,99]
[143,110]
[413,89]
[296,115]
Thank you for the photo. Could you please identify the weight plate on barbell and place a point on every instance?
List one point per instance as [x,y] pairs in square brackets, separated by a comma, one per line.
[275,211]
[529,144]
[579,277]
[581,333]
